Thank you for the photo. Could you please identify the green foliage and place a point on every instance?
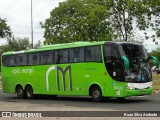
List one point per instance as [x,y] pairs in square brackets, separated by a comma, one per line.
[128,16]
[90,20]
[153,15]
[4,29]
[158,32]
[78,20]
[155,53]
[17,44]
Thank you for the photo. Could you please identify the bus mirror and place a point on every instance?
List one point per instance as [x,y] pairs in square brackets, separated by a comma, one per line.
[155,61]
[126,62]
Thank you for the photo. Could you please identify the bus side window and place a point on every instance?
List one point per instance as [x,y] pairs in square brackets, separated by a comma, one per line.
[21,59]
[93,54]
[50,58]
[63,56]
[46,58]
[5,61]
[12,62]
[34,58]
[56,59]
[97,54]
[108,60]
[113,63]
[76,55]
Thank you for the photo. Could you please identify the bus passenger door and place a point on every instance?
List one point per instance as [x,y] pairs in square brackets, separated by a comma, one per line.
[114,66]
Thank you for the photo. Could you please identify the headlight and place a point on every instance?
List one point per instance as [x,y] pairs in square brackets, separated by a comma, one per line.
[131,88]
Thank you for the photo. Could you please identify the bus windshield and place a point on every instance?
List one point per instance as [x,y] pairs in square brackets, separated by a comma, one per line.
[139,71]
[133,51]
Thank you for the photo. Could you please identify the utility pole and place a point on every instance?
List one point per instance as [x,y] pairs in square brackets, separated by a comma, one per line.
[31,25]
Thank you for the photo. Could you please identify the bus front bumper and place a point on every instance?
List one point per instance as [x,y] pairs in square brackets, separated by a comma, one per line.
[139,92]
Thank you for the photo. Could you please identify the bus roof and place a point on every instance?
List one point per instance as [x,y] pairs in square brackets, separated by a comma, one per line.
[57,46]
[66,45]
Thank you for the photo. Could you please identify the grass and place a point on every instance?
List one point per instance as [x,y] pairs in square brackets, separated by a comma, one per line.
[0,81]
[156,82]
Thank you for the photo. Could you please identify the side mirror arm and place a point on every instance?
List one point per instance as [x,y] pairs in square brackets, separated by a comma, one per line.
[155,61]
[126,62]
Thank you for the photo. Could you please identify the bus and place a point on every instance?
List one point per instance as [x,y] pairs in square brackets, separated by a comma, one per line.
[95,69]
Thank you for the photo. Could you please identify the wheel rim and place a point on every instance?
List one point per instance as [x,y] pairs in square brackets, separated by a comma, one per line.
[20,92]
[29,93]
[96,94]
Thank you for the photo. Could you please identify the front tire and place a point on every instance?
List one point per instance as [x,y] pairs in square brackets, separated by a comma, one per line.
[20,92]
[96,94]
[121,99]
[29,92]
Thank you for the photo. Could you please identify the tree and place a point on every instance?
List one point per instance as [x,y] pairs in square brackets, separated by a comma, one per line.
[4,29]
[154,6]
[88,20]
[130,16]
[77,20]
[17,44]
[156,53]
[126,16]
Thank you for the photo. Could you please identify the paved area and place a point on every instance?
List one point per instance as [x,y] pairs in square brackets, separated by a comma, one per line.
[9,102]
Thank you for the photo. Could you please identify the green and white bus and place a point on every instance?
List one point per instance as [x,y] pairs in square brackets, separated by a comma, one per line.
[96,69]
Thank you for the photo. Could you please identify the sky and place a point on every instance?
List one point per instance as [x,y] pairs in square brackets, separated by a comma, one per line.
[18,16]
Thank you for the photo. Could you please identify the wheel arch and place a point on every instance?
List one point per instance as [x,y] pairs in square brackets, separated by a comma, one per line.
[28,84]
[17,85]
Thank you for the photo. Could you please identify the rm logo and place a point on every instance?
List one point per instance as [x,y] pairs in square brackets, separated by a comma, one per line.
[63,73]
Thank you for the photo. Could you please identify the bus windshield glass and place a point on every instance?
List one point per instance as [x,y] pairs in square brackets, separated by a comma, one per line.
[139,71]
[133,51]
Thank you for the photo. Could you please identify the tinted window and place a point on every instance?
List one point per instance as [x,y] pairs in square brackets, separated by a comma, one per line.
[34,58]
[47,57]
[113,64]
[134,51]
[5,60]
[76,55]
[55,57]
[110,53]
[8,60]
[107,53]
[93,53]
[21,59]
[63,56]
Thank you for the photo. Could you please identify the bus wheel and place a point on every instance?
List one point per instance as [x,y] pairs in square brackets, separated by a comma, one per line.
[20,92]
[96,94]
[121,99]
[29,92]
